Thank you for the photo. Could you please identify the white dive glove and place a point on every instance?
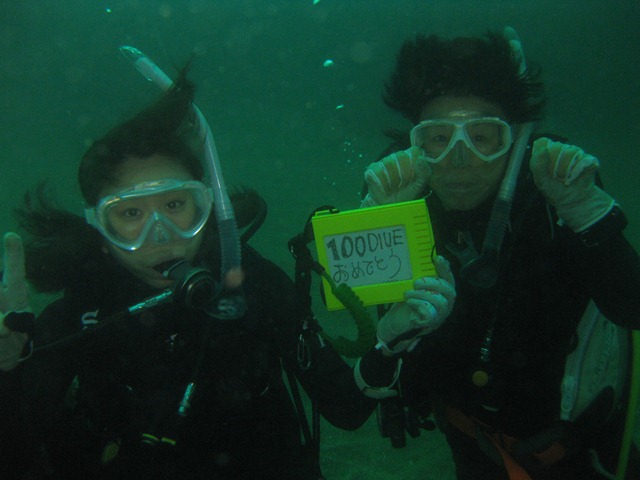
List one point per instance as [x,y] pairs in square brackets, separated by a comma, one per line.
[565,175]
[425,309]
[14,301]
[399,177]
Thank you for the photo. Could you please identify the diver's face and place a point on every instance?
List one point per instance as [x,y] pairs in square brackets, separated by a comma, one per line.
[143,262]
[461,180]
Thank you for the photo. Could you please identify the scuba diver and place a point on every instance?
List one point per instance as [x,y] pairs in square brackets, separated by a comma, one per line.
[149,365]
[529,249]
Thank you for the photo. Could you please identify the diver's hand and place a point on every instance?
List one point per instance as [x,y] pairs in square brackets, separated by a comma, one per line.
[565,175]
[399,177]
[425,309]
[15,316]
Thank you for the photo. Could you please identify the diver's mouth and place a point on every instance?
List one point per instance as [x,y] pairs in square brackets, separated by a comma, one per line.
[164,267]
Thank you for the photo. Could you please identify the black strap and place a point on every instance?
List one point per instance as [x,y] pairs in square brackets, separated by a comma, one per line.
[305,264]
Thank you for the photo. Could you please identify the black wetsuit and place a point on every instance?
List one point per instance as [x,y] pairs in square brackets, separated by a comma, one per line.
[546,276]
[106,406]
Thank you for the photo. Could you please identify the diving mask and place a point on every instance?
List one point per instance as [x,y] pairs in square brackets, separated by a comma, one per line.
[159,211]
[488,138]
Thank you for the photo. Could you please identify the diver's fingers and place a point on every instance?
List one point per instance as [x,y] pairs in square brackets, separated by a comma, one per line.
[233,278]
[423,306]
[581,164]
[540,158]
[393,172]
[568,162]
[418,298]
[443,269]
[377,178]
[406,163]
[435,285]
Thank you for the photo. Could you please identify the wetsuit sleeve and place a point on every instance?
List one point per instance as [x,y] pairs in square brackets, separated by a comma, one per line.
[15,448]
[329,381]
[31,396]
[609,269]
[328,378]
[377,369]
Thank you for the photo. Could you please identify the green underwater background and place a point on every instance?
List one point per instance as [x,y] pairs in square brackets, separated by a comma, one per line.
[293,125]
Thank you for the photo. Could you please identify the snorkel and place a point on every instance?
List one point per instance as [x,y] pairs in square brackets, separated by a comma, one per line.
[482,271]
[233,305]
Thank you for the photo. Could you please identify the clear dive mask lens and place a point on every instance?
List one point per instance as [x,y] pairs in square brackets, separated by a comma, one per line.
[157,211]
[488,138]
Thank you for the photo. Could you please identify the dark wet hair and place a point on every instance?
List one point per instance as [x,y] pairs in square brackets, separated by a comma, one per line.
[161,128]
[485,67]
[62,250]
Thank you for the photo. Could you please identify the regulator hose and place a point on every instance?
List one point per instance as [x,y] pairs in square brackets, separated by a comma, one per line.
[366,339]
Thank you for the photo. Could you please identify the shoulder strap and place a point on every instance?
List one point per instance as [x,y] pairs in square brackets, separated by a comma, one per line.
[308,325]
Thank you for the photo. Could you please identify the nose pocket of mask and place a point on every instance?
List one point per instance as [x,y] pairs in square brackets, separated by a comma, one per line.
[159,233]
